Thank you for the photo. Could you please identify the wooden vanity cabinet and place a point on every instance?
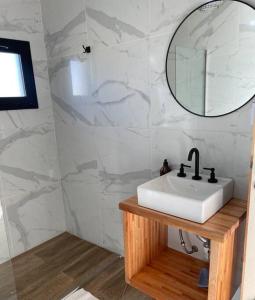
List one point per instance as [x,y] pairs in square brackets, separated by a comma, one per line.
[165,274]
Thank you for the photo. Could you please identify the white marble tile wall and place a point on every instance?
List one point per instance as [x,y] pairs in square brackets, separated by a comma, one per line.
[116,133]
[30,188]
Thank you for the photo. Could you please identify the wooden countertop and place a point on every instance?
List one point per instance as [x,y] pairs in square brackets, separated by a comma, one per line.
[217,228]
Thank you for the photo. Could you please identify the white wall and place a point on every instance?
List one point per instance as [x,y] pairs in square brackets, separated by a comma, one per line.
[117,134]
[30,190]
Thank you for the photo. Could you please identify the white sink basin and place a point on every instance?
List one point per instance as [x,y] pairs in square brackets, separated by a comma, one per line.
[185,198]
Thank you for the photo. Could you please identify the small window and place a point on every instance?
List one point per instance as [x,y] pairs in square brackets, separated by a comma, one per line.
[17,83]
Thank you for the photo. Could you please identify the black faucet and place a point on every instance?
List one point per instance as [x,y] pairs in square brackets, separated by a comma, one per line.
[192,151]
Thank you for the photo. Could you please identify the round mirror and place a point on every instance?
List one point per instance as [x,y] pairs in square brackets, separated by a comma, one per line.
[210,63]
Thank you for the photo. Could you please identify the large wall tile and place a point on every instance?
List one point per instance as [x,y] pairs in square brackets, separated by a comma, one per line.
[59,15]
[123,165]
[110,23]
[28,154]
[80,181]
[34,217]
[67,32]
[21,20]
[30,186]
[120,92]
[111,94]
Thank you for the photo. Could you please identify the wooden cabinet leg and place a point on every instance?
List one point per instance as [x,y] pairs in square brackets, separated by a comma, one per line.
[144,240]
[221,269]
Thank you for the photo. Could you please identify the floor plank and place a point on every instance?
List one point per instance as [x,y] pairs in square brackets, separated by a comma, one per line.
[110,284]
[7,283]
[52,270]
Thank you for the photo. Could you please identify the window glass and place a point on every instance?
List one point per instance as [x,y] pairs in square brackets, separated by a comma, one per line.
[11,76]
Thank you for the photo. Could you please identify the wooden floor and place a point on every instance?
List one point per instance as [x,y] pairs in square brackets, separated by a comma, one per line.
[55,268]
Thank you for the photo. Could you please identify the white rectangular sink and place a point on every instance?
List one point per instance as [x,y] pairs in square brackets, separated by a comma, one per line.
[185,198]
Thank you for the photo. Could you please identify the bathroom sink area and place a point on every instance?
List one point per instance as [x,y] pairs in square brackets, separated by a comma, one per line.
[194,200]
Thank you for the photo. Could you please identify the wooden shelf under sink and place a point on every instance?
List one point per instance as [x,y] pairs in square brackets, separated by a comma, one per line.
[172,275]
[165,274]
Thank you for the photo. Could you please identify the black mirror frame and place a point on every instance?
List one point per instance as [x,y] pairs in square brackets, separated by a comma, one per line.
[168,83]
[30,101]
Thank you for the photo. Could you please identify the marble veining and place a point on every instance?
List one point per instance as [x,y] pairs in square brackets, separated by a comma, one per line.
[56,42]
[80,168]
[14,18]
[13,213]
[24,133]
[25,174]
[113,24]
[109,23]
[70,110]
[63,34]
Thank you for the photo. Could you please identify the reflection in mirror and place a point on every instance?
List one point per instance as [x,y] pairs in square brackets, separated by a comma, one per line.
[210,62]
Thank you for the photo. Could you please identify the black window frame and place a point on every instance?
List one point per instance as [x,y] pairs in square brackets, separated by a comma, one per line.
[30,101]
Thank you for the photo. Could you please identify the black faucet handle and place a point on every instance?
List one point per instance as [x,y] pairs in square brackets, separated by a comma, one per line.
[182,173]
[185,166]
[212,178]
